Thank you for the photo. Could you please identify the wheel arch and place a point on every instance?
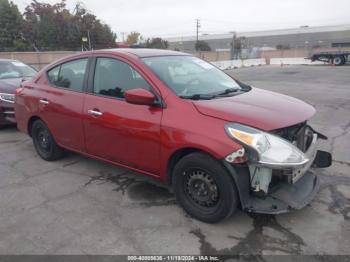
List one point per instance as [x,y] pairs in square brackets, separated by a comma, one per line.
[30,123]
[178,155]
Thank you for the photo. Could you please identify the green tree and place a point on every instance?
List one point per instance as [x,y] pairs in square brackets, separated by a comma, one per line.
[11,27]
[47,26]
[51,27]
[101,35]
[202,46]
[157,42]
[54,27]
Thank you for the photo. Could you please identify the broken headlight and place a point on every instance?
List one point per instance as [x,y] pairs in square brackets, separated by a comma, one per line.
[266,149]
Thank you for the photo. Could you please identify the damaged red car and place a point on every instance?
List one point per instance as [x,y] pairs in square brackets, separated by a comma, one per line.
[219,143]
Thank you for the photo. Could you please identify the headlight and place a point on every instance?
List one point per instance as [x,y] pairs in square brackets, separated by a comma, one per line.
[266,149]
[9,98]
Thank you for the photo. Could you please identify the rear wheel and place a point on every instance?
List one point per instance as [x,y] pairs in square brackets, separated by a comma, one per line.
[44,142]
[204,188]
[338,60]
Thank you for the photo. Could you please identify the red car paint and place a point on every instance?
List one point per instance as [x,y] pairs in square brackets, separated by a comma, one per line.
[259,108]
[145,138]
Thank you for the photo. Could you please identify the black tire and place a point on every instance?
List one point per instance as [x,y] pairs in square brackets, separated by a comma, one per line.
[197,174]
[44,142]
[338,60]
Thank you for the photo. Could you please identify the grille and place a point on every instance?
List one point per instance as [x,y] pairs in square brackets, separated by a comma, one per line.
[7,113]
[300,135]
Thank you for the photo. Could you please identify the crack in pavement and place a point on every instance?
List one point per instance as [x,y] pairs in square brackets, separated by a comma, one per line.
[146,193]
[347,126]
[341,162]
[123,181]
[333,139]
[291,243]
[70,163]
[340,204]
[11,141]
[256,240]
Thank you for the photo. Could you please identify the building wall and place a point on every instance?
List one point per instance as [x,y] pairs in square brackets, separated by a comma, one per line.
[36,59]
[324,39]
[294,52]
[213,56]
[189,46]
[294,39]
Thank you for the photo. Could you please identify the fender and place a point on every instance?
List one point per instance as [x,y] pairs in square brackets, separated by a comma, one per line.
[241,177]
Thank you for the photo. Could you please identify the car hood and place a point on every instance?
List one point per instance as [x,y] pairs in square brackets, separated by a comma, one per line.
[258,108]
[9,85]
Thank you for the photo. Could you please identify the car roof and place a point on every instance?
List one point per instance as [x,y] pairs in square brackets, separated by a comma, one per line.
[146,52]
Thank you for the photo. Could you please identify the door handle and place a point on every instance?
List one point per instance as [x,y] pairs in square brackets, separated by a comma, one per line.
[44,102]
[94,112]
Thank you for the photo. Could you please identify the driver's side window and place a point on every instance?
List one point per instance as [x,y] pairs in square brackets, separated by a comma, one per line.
[114,77]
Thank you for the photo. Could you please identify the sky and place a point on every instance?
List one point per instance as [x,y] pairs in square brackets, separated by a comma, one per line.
[176,18]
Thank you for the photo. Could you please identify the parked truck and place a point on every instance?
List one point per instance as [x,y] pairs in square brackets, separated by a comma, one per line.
[337,58]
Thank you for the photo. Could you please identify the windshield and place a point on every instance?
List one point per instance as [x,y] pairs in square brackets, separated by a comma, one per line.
[189,76]
[15,69]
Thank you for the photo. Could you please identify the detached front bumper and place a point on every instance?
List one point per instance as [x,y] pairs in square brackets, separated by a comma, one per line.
[284,196]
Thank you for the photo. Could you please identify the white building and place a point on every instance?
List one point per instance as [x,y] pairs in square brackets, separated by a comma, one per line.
[303,37]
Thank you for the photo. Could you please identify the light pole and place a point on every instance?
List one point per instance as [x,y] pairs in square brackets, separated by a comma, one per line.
[232,50]
[83,41]
[198,25]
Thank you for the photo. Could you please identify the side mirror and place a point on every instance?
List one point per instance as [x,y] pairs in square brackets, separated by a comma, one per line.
[139,96]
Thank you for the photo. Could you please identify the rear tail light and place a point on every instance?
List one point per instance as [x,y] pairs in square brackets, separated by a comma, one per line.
[19,91]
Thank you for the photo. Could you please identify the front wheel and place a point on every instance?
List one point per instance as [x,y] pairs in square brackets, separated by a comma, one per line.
[44,142]
[204,188]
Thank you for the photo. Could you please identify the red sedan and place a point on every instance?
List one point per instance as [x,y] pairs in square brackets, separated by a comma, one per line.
[218,142]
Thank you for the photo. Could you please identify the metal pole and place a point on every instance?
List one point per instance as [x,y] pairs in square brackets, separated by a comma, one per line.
[89,40]
[233,45]
[197,31]
[123,35]
[197,28]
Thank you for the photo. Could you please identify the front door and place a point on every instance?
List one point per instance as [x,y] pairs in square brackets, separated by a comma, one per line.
[123,133]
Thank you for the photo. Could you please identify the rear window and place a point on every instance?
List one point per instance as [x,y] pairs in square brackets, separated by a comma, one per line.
[69,75]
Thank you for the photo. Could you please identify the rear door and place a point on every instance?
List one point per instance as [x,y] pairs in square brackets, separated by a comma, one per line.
[62,102]
[123,133]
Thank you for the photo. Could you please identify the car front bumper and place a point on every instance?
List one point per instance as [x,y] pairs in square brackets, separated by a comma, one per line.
[286,197]
[283,197]
[7,113]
